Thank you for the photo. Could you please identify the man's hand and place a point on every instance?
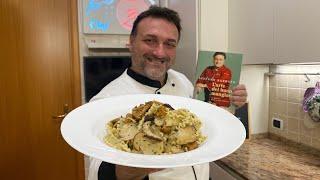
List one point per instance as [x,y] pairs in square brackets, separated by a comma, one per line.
[132,173]
[239,95]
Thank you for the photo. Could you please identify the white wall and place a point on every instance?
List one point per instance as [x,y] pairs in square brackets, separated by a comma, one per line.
[257,85]
[213,22]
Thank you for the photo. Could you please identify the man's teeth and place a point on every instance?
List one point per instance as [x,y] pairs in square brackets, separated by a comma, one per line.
[151,59]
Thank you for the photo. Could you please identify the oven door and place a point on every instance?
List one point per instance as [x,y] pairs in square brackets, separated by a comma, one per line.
[100,70]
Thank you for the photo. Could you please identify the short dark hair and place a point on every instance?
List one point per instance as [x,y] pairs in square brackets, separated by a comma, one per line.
[158,12]
[219,53]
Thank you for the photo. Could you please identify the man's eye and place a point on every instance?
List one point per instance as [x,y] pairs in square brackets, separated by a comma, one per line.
[171,44]
[149,41]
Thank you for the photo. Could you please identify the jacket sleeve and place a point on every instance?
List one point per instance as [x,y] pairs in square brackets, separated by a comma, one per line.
[99,170]
[203,77]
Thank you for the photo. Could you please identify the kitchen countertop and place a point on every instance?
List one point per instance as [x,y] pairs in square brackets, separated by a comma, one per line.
[272,159]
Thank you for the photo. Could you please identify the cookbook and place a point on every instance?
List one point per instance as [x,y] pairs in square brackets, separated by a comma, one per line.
[217,74]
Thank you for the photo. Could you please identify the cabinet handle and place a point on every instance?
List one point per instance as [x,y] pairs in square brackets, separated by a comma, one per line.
[61,116]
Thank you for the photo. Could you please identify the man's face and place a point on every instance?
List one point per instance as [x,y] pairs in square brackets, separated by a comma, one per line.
[153,49]
[218,60]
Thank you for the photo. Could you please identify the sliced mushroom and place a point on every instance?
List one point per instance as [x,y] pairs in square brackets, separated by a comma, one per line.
[147,145]
[138,139]
[140,111]
[161,112]
[130,117]
[129,120]
[113,141]
[186,135]
[149,117]
[168,106]
[113,122]
[166,129]
[127,131]
[191,146]
[151,131]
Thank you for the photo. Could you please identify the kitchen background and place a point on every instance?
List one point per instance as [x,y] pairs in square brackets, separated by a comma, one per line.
[42,56]
[267,33]
[260,30]
[286,96]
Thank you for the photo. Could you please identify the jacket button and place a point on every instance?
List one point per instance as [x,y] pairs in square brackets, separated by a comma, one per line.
[158,92]
[173,84]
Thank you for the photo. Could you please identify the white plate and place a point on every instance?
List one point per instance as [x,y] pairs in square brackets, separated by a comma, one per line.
[84,128]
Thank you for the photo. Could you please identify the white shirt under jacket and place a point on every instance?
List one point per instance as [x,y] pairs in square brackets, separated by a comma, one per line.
[177,84]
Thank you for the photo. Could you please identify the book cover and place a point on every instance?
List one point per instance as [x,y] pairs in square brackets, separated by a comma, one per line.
[216,74]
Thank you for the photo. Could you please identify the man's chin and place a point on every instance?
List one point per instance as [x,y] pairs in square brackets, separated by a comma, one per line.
[157,76]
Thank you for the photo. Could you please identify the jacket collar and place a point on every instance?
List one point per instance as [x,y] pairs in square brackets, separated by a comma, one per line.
[145,80]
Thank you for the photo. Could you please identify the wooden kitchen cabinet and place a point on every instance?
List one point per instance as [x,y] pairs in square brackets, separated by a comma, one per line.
[251,30]
[39,84]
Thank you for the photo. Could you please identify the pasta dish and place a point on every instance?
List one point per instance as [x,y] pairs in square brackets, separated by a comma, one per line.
[155,128]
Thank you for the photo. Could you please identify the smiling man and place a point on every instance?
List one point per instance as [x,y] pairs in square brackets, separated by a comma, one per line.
[153,41]
[154,48]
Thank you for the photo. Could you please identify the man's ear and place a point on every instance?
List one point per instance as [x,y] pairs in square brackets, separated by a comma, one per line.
[131,41]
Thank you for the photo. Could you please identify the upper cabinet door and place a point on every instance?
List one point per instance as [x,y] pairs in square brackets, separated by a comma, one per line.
[251,30]
[297,31]
[275,31]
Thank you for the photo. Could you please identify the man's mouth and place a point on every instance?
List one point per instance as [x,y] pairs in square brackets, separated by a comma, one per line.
[155,60]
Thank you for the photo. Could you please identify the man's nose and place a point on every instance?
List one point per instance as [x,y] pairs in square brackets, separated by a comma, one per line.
[159,51]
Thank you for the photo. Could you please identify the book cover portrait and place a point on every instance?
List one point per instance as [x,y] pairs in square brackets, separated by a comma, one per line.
[217,73]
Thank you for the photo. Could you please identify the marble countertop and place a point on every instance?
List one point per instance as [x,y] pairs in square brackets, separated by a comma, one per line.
[271,159]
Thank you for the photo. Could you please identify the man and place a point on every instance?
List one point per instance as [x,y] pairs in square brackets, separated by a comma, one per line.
[215,80]
[153,41]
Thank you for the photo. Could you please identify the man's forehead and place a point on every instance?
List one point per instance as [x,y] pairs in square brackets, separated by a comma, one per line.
[217,56]
[152,26]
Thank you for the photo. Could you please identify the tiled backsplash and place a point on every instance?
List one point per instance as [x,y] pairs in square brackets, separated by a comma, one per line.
[286,96]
